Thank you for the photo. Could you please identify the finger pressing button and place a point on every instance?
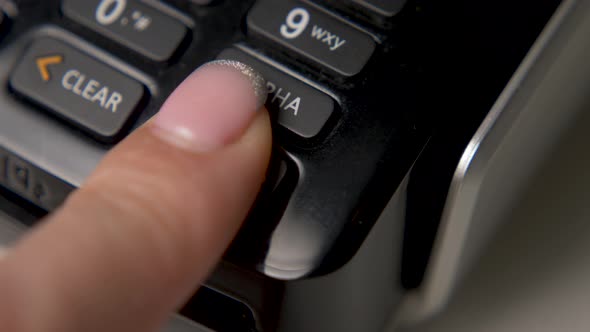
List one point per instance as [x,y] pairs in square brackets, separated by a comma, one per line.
[296,105]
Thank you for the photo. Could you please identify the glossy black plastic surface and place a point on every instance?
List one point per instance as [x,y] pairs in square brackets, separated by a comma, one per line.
[431,64]
[338,181]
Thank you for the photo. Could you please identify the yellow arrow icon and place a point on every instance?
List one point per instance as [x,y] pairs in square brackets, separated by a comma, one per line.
[46,61]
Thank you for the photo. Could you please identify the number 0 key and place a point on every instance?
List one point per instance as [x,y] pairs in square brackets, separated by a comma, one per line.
[321,37]
[131,23]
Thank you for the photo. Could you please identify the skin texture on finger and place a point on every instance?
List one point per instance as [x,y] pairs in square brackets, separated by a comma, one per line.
[138,238]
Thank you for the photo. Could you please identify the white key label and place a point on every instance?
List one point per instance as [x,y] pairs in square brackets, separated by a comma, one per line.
[109,11]
[297,22]
[91,90]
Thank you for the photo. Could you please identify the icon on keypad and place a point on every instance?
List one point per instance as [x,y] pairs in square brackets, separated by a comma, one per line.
[43,64]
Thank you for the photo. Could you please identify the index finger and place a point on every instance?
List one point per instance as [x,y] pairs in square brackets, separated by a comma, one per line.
[145,230]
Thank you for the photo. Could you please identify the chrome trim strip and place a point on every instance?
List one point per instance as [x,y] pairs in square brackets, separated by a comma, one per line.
[524,123]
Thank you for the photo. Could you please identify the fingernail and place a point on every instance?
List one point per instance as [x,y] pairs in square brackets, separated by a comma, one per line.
[212,107]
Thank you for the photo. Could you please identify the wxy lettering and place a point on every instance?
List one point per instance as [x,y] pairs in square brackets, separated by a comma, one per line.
[333,40]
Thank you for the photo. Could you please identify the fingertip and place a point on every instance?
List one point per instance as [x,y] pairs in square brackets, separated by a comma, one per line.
[230,93]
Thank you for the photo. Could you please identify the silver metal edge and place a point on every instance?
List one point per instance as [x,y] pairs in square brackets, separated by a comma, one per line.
[447,262]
